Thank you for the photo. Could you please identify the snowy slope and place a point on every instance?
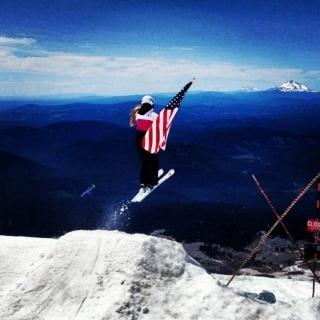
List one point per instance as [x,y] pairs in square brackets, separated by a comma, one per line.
[291,86]
[114,275]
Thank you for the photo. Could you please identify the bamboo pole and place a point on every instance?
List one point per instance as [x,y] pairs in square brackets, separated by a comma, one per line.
[266,235]
[315,264]
[284,227]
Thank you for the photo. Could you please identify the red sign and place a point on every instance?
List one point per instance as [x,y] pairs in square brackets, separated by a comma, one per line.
[313,225]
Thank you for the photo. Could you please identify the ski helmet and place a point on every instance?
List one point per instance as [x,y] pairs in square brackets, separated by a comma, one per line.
[147,99]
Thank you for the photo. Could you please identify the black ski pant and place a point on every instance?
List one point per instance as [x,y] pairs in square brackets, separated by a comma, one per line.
[149,164]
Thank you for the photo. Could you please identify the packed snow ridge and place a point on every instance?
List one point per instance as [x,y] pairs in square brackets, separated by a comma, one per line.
[292,86]
[113,275]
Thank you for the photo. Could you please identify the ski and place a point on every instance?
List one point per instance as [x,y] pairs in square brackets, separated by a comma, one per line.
[142,194]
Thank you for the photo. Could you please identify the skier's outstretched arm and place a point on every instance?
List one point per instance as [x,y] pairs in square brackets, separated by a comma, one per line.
[176,100]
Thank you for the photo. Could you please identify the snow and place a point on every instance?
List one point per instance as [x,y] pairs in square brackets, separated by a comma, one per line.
[249,89]
[292,86]
[113,275]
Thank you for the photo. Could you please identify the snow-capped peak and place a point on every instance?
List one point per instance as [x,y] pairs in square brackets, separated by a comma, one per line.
[292,86]
[249,89]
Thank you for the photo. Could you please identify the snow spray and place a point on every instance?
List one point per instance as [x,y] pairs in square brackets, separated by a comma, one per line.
[116,217]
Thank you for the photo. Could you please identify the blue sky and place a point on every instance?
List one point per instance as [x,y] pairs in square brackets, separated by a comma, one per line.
[124,47]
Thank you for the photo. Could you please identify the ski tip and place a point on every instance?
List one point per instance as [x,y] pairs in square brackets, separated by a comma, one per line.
[160,172]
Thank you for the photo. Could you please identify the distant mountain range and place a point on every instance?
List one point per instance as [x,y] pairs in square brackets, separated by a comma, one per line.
[9,103]
[50,154]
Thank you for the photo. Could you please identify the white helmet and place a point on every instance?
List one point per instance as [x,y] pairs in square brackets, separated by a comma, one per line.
[148,99]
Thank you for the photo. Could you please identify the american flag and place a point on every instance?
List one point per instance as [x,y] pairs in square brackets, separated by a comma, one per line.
[157,135]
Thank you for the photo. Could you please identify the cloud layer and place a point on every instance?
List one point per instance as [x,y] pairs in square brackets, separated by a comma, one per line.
[62,73]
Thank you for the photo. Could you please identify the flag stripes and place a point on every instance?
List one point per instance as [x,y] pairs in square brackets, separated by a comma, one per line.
[157,135]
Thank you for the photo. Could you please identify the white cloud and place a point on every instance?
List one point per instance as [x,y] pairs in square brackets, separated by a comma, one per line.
[313,73]
[59,72]
[4,52]
[182,48]
[11,41]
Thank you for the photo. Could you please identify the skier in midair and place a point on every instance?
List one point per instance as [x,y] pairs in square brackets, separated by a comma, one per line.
[142,116]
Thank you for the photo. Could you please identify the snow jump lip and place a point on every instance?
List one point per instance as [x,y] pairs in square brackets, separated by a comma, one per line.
[114,275]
